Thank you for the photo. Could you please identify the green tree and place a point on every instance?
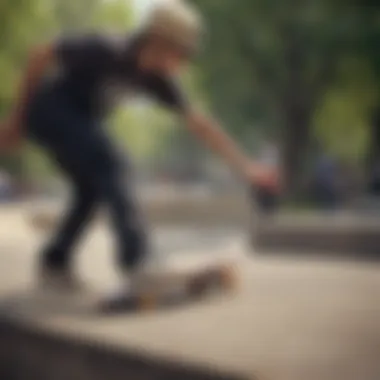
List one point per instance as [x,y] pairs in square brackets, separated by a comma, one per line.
[369,48]
[22,23]
[355,97]
[342,123]
[269,63]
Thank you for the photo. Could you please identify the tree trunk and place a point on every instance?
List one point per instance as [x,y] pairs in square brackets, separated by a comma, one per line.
[296,143]
[296,103]
[374,154]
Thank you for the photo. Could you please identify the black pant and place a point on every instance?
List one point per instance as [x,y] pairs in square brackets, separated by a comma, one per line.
[80,147]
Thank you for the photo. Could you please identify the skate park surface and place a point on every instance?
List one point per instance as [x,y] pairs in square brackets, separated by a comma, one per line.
[294,318]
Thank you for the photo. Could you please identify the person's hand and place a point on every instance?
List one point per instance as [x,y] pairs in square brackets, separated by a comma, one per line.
[262,176]
[10,139]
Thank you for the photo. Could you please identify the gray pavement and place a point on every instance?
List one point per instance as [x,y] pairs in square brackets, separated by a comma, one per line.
[292,319]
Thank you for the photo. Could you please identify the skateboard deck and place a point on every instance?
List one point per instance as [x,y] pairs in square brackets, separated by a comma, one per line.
[178,288]
[182,288]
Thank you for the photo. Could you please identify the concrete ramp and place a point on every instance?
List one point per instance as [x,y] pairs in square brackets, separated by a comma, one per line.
[291,320]
[31,352]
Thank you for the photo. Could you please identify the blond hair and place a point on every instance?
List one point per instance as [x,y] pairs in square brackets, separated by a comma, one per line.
[175,21]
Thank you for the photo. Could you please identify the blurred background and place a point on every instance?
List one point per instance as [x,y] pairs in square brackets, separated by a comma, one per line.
[296,83]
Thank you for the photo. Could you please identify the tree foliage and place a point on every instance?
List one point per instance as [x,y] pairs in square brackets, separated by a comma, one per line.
[271,64]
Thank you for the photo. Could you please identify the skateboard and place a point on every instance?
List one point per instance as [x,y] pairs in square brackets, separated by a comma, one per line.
[178,288]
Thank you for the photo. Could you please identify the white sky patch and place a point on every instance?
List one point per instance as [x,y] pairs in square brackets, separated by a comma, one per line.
[142,6]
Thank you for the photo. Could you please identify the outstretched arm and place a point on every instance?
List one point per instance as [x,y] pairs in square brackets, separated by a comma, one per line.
[209,131]
[168,92]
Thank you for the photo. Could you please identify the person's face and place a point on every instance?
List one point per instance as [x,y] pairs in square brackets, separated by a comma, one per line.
[163,59]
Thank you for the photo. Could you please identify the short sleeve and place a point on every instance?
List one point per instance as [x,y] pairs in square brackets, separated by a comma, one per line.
[168,92]
[82,52]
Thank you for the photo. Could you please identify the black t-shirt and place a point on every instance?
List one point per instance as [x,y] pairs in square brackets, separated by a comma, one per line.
[96,72]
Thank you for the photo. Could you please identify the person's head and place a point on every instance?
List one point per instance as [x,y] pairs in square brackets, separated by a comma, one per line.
[171,37]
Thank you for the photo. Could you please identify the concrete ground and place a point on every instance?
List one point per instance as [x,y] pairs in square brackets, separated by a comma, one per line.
[292,319]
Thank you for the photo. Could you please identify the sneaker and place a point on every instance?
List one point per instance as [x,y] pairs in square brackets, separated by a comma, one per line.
[60,280]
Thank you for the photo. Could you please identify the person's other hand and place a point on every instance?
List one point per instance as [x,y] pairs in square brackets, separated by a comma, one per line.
[10,139]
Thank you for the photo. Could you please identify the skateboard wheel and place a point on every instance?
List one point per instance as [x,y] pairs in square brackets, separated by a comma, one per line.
[229,278]
[147,302]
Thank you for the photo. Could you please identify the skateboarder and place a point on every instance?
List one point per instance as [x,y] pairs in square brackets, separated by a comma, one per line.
[70,86]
